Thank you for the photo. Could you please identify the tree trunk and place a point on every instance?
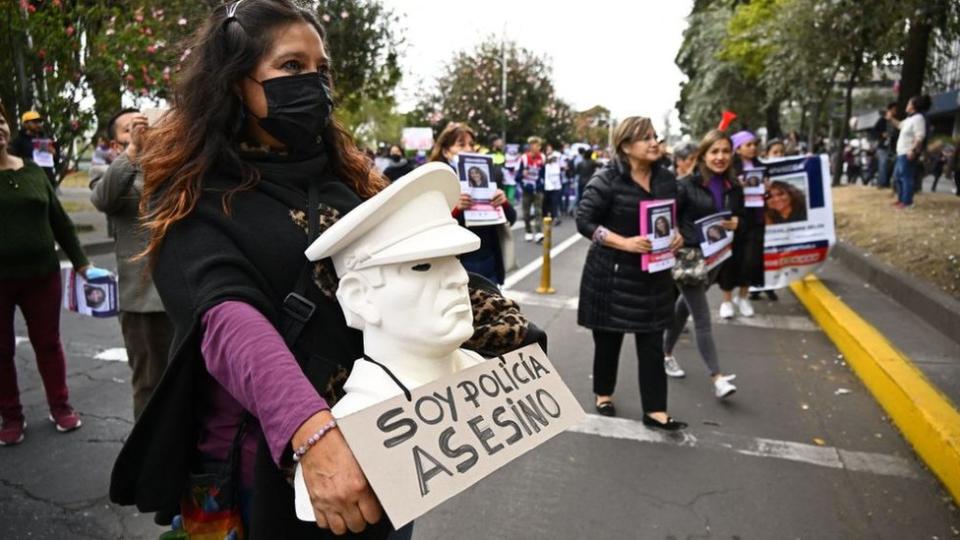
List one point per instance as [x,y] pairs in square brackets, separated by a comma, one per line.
[803,120]
[915,53]
[847,111]
[772,112]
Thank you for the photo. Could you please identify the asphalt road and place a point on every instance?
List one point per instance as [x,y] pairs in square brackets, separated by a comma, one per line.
[801,451]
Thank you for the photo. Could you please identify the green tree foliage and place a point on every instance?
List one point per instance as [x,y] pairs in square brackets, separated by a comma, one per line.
[72,60]
[715,82]
[364,39]
[470,91]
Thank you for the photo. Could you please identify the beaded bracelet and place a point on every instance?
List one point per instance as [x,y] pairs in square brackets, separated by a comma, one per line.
[314,439]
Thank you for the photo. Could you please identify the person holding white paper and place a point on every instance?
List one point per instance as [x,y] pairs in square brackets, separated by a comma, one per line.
[33,222]
[745,268]
[713,189]
[489,260]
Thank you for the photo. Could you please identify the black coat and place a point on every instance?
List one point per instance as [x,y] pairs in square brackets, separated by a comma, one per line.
[615,294]
[695,201]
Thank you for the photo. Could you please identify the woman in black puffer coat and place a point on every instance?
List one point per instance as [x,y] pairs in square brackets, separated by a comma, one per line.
[616,296]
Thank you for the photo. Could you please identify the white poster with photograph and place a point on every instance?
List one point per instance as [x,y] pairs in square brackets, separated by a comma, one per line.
[96,297]
[716,242]
[754,188]
[658,224]
[476,179]
[799,218]
[43,153]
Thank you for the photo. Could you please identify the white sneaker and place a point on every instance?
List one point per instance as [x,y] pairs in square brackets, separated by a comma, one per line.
[722,387]
[726,310]
[528,237]
[672,368]
[744,306]
[538,238]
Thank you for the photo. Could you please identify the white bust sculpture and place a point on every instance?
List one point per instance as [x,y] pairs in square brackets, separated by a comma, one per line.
[402,285]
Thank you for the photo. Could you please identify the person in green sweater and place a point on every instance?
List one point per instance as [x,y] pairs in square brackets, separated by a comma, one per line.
[31,220]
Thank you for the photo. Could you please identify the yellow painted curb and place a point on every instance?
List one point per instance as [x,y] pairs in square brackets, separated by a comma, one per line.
[925,416]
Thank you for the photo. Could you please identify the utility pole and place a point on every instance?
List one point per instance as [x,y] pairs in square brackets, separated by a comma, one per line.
[503,82]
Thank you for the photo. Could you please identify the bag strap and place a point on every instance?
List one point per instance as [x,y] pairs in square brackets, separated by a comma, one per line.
[297,310]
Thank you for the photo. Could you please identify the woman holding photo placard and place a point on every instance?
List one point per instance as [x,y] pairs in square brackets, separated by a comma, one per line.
[616,295]
[745,267]
[714,188]
[33,222]
[488,261]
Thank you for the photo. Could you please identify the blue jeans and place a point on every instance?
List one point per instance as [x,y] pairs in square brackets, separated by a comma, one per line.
[903,174]
[883,162]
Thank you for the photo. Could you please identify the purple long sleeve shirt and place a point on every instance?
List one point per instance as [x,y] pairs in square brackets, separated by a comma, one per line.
[253,370]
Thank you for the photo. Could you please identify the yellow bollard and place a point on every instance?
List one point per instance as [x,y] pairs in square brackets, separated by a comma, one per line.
[545,287]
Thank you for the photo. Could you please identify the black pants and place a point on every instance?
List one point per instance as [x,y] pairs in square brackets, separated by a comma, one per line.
[652,377]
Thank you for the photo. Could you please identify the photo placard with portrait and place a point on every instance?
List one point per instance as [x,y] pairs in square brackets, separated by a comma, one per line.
[716,241]
[658,220]
[96,297]
[477,180]
[754,187]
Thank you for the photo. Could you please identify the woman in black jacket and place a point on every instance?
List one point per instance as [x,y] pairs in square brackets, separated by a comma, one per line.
[616,296]
[713,189]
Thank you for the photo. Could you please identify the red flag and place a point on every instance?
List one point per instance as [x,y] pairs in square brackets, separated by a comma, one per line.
[728,118]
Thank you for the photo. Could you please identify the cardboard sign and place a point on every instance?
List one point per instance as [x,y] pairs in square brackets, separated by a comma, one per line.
[454,432]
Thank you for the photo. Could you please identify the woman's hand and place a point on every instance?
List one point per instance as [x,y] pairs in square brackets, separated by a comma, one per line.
[499,199]
[730,224]
[342,498]
[636,244]
[677,242]
[465,201]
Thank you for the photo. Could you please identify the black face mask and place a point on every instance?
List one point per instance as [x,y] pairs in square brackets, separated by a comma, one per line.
[395,158]
[298,110]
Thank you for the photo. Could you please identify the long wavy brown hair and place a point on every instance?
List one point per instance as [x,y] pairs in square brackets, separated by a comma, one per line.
[711,138]
[450,135]
[205,124]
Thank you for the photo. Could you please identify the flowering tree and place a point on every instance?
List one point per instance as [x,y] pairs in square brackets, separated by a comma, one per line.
[70,54]
[470,91]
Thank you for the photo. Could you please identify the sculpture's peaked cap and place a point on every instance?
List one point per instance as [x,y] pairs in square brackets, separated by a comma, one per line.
[408,221]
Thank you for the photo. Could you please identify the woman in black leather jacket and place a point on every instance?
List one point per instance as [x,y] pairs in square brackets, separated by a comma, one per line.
[616,296]
[713,189]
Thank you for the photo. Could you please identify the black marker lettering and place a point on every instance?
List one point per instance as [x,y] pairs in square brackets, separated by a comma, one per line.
[383,423]
[454,453]
[425,476]
[517,434]
[484,434]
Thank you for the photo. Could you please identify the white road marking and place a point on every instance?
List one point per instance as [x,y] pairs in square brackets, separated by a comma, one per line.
[821,456]
[776,322]
[117,354]
[18,340]
[533,266]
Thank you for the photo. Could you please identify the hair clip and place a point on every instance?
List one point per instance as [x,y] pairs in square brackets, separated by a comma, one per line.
[232,10]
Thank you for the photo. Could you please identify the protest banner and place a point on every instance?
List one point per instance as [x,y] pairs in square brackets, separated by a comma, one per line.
[658,220]
[476,179]
[753,188]
[417,138]
[799,218]
[715,241]
[96,297]
[452,433]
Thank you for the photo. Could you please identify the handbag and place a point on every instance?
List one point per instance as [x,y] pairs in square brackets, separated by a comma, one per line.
[690,268]
[507,247]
